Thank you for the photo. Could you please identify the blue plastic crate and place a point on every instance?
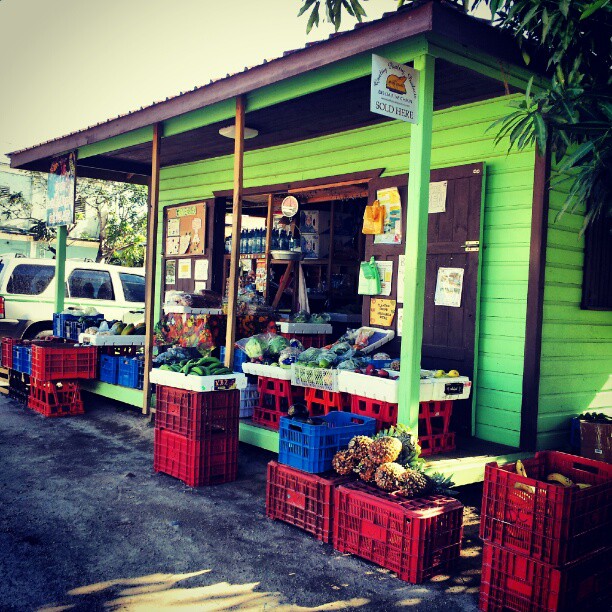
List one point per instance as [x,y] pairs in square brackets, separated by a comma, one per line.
[131,372]
[311,448]
[70,326]
[240,357]
[22,359]
[109,368]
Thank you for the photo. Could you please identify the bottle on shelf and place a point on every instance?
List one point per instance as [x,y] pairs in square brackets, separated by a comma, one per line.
[228,244]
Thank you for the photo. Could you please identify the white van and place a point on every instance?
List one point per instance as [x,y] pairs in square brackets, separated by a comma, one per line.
[27,292]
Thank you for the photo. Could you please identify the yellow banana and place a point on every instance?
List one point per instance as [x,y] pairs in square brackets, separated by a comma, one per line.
[520,469]
[582,485]
[521,486]
[560,478]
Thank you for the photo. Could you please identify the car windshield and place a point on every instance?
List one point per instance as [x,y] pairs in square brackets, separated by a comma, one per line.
[30,279]
[133,287]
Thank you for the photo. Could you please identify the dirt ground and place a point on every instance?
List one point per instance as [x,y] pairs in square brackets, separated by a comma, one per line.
[85,524]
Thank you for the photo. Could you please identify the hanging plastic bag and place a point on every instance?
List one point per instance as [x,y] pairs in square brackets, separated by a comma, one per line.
[369,278]
[374,218]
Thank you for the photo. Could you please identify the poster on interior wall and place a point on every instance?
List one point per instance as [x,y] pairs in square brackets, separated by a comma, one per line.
[171,272]
[449,287]
[184,268]
[390,200]
[61,191]
[172,245]
[400,321]
[382,312]
[385,271]
[200,270]
[437,197]
[399,296]
[261,276]
[174,227]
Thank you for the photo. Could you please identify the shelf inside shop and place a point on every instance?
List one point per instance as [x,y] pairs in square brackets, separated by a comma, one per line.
[247,256]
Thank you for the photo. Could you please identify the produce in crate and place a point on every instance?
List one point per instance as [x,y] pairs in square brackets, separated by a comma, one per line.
[366,469]
[344,462]
[360,446]
[387,476]
[385,449]
[412,483]
[202,366]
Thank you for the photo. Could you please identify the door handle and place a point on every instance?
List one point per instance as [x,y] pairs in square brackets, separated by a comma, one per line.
[471,246]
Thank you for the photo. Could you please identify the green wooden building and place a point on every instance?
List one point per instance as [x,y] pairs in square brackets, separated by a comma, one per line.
[538,357]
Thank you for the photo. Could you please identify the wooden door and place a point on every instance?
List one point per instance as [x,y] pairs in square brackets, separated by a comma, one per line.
[452,242]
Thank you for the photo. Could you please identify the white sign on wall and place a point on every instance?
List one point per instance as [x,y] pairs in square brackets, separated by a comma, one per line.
[394,90]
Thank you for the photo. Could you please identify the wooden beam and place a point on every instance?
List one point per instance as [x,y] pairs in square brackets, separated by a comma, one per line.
[416,246]
[269,223]
[232,296]
[151,261]
[535,302]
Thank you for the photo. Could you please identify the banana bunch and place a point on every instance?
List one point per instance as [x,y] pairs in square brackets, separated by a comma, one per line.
[203,366]
[553,477]
[565,481]
[521,486]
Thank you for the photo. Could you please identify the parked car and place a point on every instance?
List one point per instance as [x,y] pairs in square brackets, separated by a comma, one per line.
[27,291]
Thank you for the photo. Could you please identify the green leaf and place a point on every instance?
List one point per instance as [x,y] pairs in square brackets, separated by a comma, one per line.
[564,7]
[595,6]
[541,132]
[526,57]
[314,18]
[305,7]
[571,160]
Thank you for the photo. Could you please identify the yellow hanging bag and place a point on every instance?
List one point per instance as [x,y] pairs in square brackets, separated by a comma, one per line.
[374,218]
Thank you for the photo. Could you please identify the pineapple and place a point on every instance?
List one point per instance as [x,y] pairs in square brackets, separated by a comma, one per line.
[366,470]
[385,450]
[387,476]
[344,462]
[412,483]
[360,446]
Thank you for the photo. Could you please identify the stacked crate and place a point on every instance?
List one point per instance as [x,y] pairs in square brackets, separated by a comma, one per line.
[301,485]
[196,435]
[547,547]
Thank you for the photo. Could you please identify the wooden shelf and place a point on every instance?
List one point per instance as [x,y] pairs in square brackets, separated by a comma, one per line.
[227,256]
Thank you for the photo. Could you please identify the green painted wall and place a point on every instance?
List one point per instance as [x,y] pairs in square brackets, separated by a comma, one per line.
[576,363]
[459,138]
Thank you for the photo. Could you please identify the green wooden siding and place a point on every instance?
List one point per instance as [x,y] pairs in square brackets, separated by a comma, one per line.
[576,363]
[459,137]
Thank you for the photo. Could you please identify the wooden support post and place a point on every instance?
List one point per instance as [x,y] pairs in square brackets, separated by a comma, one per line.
[150,264]
[269,222]
[232,295]
[416,246]
[60,268]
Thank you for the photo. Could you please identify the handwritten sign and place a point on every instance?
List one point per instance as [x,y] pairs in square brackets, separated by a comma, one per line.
[382,312]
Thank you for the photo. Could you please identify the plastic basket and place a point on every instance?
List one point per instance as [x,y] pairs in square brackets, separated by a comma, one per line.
[312,447]
[19,386]
[308,340]
[22,358]
[196,415]
[303,500]
[70,326]
[317,378]
[437,443]
[196,463]
[249,398]
[109,368]
[554,524]
[63,362]
[54,399]
[512,581]
[131,372]
[416,539]
[385,413]
[7,352]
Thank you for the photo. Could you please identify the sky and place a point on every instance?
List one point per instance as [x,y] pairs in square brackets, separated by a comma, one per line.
[67,65]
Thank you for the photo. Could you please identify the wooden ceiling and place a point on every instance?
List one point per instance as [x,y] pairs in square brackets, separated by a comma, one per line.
[340,108]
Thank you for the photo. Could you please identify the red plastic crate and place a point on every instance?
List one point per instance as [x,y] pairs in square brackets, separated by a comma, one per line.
[302,499]
[276,394]
[434,417]
[416,539]
[437,443]
[385,413]
[197,463]
[321,403]
[53,399]
[7,352]
[308,340]
[513,582]
[197,415]
[63,362]
[555,524]
[267,417]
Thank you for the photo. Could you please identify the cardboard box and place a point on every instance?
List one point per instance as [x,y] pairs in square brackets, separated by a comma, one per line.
[596,440]
[314,246]
[314,222]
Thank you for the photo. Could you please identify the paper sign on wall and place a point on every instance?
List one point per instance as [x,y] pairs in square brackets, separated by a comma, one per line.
[200,270]
[199,287]
[400,279]
[172,245]
[449,287]
[390,200]
[437,197]
[400,321]
[184,268]
[385,270]
[171,272]
[174,227]
[382,312]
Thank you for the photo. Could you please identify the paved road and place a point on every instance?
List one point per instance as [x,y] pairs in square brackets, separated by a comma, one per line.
[85,524]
